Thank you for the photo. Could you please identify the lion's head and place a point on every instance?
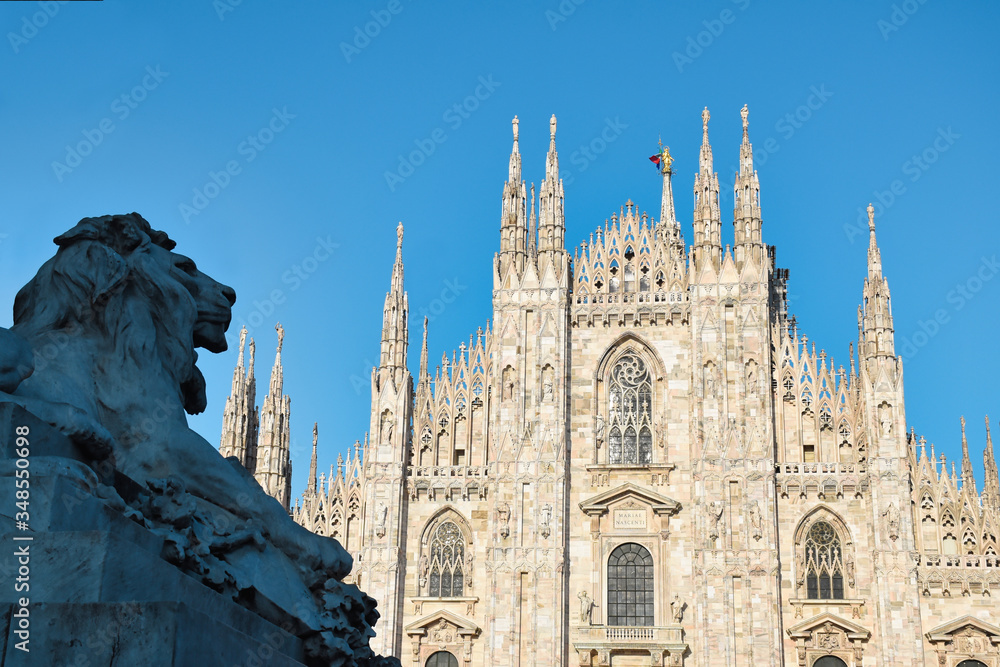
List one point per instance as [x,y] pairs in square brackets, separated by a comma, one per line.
[115,280]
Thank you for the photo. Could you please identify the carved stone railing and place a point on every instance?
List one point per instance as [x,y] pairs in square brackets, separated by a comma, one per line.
[821,468]
[625,634]
[824,480]
[958,560]
[447,482]
[418,472]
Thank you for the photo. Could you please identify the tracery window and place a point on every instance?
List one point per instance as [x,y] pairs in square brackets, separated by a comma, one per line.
[824,563]
[447,561]
[630,586]
[630,404]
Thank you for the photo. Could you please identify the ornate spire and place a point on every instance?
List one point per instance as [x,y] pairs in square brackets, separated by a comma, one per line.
[551,220]
[876,308]
[746,201]
[423,356]
[392,358]
[513,225]
[311,490]
[707,225]
[968,479]
[991,486]
[274,461]
[239,418]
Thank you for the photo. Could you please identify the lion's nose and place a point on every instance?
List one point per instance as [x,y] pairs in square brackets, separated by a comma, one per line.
[229,293]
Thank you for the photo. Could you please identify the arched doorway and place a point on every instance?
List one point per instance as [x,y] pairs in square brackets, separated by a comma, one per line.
[829,661]
[971,663]
[441,659]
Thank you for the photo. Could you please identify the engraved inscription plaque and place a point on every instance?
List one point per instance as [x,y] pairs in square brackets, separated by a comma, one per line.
[630,519]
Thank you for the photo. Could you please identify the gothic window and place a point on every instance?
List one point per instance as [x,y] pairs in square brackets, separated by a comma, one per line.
[441,659]
[630,405]
[824,563]
[447,562]
[829,661]
[971,663]
[630,586]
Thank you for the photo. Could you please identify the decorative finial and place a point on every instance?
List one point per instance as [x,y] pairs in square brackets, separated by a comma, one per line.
[399,235]
[281,334]
[704,119]
[315,433]
[514,123]
[552,127]
[871,217]
[744,112]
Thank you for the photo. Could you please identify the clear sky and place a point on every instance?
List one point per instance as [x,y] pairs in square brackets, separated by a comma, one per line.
[255,133]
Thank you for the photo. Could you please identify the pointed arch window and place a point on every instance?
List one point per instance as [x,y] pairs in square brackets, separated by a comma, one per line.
[630,405]
[447,562]
[824,563]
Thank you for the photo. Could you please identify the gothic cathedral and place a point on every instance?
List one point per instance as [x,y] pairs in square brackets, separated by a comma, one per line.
[642,461]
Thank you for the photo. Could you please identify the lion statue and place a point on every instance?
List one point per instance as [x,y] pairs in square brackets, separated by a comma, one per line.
[103,349]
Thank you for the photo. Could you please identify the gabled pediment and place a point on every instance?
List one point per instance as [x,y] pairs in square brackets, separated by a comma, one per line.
[463,626]
[946,632]
[805,629]
[599,504]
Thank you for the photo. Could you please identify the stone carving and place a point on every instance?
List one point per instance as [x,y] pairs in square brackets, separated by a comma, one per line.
[891,516]
[599,430]
[715,509]
[885,419]
[547,383]
[381,514]
[424,568]
[503,516]
[509,383]
[387,424]
[755,521]
[127,313]
[586,608]
[751,378]
[849,565]
[545,519]
[677,609]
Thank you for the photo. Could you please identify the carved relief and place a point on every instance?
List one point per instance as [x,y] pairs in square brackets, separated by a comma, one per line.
[755,521]
[715,510]
[545,519]
[891,517]
[503,517]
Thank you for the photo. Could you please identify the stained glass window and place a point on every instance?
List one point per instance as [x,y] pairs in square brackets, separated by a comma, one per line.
[630,586]
[630,406]
[447,562]
[824,563]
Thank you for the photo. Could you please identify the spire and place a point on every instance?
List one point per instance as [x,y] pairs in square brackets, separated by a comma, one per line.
[532,227]
[311,490]
[876,310]
[551,220]
[746,202]
[239,417]
[991,486]
[274,460]
[707,235]
[392,357]
[513,225]
[968,479]
[423,355]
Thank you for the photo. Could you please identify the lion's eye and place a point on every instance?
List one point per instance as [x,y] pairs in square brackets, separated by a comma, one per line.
[187,266]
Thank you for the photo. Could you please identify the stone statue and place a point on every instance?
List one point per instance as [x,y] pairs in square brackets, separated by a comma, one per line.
[885,419]
[503,515]
[891,516]
[715,509]
[586,608]
[545,518]
[381,514]
[599,430]
[121,314]
[677,608]
[755,520]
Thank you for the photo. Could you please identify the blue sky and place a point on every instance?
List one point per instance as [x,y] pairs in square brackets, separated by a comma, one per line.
[255,133]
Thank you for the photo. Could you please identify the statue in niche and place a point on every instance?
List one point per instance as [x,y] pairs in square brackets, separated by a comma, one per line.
[709,379]
[547,386]
[387,423]
[885,418]
[586,608]
[424,568]
[715,509]
[891,516]
[755,520]
[503,516]
[677,609]
[381,514]
[751,378]
[509,383]
[545,518]
[599,430]
[127,313]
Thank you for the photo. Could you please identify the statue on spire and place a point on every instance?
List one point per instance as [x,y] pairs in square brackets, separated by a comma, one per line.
[514,124]
[399,235]
[552,127]
[744,112]
[704,120]
[281,335]
[871,217]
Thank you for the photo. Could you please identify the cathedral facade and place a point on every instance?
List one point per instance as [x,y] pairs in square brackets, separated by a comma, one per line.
[641,461]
